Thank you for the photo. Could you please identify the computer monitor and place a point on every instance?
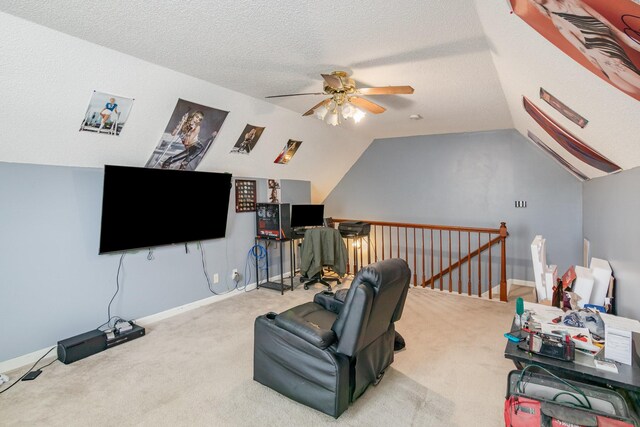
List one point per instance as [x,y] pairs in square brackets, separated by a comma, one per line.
[307,215]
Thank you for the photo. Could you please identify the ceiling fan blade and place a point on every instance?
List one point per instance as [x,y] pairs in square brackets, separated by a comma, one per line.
[310,112]
[388,90]
[372,107]
[332,80]
[295,94]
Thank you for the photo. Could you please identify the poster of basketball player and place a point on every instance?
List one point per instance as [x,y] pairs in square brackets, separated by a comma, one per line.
[248,139]
[106,114]
[287,152]
[191,131]
[601,35]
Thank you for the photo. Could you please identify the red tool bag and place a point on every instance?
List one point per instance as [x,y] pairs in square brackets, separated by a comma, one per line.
[522,412]
[537,400]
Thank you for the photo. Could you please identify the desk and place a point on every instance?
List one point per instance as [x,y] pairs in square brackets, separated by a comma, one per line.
[278,286]
[628,377]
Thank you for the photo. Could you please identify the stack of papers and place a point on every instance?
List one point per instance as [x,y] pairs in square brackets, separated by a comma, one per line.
[618,337]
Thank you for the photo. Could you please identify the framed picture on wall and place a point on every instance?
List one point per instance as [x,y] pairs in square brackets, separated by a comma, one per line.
[245,195]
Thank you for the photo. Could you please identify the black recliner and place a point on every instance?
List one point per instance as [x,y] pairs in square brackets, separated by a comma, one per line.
[325,353]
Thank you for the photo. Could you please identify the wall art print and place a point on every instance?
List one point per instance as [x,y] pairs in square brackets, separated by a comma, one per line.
[287,152]
[248,139]
[563,109]
[274,191]
[601,35]
[189,134]
[106,114]
[245,195]
[568,166]
[569,142]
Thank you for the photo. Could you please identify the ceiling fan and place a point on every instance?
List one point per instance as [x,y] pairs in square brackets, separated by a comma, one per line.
[345,98]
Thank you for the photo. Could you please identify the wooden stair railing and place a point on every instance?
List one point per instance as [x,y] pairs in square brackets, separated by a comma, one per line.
[430,247]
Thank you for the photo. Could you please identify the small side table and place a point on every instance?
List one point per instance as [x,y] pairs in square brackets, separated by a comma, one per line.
[278,286]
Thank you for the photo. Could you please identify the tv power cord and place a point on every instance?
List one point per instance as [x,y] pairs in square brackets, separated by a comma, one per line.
[31,374]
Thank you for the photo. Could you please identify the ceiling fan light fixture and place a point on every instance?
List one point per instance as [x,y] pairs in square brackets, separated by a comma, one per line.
[348,110]
[321,112]
[345,100]
[333,119]
[358,115]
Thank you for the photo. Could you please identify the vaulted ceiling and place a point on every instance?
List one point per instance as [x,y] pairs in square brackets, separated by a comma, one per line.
[469,62]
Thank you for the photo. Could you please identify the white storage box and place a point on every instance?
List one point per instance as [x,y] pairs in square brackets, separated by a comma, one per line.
[601,271]
[583,285]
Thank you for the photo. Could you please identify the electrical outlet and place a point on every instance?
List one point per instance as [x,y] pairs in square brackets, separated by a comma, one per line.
[216,278]
[234,273]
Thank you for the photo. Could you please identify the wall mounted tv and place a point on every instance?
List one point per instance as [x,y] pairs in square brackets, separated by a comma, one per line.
[144,208]
[307,215]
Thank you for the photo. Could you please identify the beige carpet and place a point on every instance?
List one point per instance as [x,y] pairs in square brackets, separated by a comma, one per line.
[196,369]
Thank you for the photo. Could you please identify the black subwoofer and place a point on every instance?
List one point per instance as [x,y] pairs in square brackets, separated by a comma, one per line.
[81,346]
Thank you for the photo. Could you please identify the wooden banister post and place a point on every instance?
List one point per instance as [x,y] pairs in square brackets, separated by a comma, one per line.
[503,261]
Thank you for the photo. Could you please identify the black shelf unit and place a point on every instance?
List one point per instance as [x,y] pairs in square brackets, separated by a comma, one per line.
[278,286]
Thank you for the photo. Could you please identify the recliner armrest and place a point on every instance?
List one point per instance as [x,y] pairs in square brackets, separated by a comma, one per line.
[328,301]
[308,331]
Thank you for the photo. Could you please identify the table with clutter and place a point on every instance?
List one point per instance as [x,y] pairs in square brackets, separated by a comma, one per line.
[587,330]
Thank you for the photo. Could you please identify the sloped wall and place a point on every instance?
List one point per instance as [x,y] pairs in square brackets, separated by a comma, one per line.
[47,78]
[469,179]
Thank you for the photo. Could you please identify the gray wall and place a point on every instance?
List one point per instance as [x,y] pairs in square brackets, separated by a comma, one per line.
[469,179]
[611,208]
[55,285]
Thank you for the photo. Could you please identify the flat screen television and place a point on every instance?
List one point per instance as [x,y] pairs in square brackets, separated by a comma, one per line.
[144,208]
[307,215]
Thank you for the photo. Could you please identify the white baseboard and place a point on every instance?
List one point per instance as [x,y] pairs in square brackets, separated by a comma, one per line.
[495,290]
[29,359]
[519,282]
[153,318]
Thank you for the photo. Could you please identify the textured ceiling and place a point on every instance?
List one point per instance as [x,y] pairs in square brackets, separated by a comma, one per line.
[469,62]
[262,48]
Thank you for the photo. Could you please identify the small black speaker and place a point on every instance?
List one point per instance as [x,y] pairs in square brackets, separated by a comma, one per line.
[273,220]
[81,346]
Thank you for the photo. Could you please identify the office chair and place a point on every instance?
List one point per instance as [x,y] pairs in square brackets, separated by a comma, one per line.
[322,247]
[319,278]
